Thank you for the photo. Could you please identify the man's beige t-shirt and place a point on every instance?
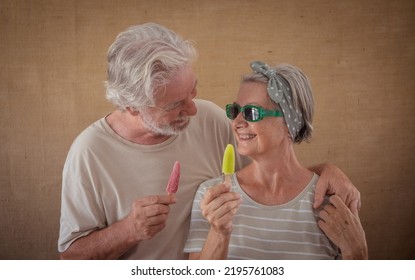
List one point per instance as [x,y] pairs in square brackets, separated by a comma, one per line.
[104,174]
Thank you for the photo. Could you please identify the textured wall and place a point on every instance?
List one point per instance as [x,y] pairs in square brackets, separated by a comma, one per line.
[358,54]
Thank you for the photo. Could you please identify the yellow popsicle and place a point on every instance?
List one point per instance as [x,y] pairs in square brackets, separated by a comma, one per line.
[228,163]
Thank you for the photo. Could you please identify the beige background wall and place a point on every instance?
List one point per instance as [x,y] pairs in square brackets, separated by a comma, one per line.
[358,54]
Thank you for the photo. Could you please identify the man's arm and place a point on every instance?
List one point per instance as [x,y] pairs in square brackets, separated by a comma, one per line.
[333,181]
[108,243]
[147,218]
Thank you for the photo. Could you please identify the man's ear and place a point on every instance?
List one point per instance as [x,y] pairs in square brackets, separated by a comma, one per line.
[132,112]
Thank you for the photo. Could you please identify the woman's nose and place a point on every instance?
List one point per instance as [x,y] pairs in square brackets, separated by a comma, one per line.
[239,121]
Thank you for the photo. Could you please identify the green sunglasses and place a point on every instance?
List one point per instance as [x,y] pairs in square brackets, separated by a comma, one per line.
[251,113]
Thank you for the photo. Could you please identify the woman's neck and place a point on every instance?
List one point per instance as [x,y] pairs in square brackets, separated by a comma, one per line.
[274,180]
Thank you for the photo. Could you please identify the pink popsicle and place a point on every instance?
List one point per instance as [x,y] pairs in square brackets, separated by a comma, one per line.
[173,183]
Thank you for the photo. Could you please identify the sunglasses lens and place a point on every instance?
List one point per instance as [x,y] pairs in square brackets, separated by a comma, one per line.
[232,111]
[251,114]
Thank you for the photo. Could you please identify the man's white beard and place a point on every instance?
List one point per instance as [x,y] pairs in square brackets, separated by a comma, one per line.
[168,129]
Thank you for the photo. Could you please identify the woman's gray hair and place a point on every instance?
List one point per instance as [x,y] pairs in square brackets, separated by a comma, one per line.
[141,60]
[302,95]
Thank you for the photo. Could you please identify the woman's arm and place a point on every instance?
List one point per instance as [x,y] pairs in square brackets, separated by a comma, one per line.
[218,206]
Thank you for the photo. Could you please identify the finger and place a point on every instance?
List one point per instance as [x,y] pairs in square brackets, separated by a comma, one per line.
[156,209]
[359,203]
[323,225]
[354,195]
[320,192]
[215,191]
[324,216]
[158,199]
[156,220]
[227,208]
[221,206]
[222,199]
[212,195]
[354,208]
[329,208]
[223,223]
[337,202]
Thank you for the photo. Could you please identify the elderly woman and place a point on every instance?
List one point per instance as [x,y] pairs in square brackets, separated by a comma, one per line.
[267,211]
